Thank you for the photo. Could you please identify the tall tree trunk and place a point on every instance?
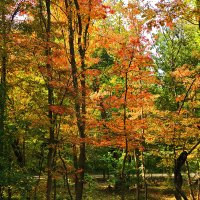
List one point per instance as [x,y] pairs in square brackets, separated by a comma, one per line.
[3,89]
[3,76]
[124,124]
[79,89]
[123,176]
[50,102]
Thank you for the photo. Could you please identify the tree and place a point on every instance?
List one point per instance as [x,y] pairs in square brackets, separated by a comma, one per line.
[9,10]
[76,39]
[176,58]
[121,102]
[77,91]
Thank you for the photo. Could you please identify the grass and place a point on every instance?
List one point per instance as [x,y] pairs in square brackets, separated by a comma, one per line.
[158,189]
[153,194]
[102,191]
[99,189]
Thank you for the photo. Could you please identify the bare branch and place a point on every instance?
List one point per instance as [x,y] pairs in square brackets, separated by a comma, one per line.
[194,147]
[15,12]
[186,96]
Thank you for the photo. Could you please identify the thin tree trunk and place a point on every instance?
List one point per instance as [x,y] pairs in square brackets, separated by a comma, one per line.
[79,90]
[40,172]
[198,175]
[124,123]
[66,175]
[3,82]
[190,181]
[3,77]
[24,150]
[144,177]
[136,158]
[50,102]
[49,173]
[198,11]
[1,193]
[198,189]
[55,189]
[142,154]
[123,177]
[82,43]
[9,193]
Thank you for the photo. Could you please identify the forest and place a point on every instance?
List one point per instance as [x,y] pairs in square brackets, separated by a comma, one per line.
[99,99]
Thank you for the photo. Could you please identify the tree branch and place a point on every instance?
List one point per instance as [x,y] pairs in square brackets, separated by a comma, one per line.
[186,96]
[190,151]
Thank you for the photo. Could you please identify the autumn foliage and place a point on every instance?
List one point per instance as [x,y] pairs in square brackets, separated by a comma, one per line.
[92,85]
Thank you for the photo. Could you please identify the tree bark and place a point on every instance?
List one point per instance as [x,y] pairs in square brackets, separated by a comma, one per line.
[3,83]
[123,175]
[79,86]
[178,180]
[51,149]
[124,123]
[3,76]
[79,103]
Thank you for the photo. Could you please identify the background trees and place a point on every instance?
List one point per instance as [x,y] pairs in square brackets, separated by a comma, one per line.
[84,89]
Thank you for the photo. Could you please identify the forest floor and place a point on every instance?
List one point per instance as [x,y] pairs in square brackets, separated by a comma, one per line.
[104,192]
[98,188]
[158,189]
[153,194]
